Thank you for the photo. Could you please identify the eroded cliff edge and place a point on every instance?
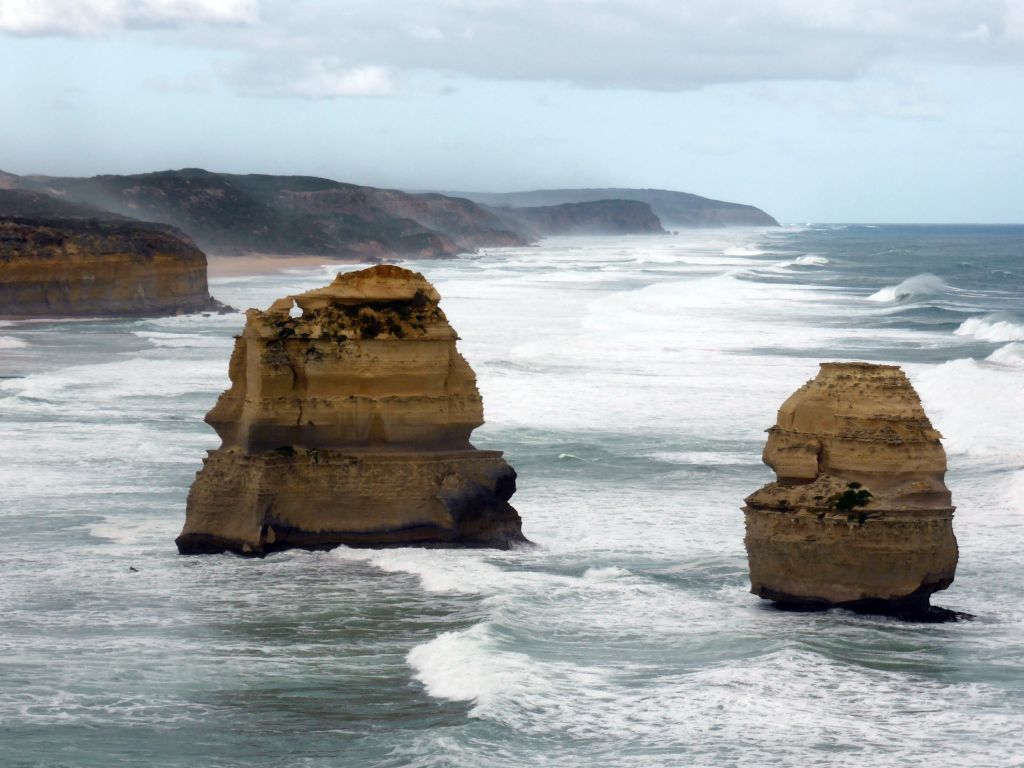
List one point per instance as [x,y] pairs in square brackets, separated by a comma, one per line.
[64,267]
[350,424]
[860,516]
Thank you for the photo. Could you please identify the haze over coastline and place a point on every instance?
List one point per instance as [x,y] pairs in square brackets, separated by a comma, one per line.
[854,110]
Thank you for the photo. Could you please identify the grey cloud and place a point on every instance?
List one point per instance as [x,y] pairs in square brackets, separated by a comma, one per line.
[95,17]
[322,50]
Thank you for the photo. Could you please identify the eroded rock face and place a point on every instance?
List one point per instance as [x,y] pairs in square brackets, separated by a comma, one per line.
[350,424]
[860,515]
[87,267]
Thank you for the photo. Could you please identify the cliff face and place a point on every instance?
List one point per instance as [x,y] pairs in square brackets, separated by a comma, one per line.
[86,267]
[601,217]
[860,515]
[350,424]
[674,209]
[234,214]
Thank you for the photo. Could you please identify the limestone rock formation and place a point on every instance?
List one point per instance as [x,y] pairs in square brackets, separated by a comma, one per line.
[350,424]
[73,267]
[860,516]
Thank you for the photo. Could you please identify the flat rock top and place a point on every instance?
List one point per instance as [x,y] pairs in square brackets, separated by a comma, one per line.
[843,394]
[382,283]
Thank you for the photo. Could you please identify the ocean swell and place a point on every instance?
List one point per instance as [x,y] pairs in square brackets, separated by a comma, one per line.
[915,287]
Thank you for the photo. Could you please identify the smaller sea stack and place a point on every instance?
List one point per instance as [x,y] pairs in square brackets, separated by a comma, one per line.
[349,424]
[860,516]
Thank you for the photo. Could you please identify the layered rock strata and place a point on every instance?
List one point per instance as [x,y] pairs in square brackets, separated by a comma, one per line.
[860,516]
[350,424]
[87,267]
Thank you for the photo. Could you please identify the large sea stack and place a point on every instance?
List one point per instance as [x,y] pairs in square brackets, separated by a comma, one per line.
[860,516]
[350,424]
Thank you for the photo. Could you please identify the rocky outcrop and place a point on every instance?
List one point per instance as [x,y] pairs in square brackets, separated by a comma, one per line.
[349,423]
[674,209]
[86,267]
[601,217]
[860,516]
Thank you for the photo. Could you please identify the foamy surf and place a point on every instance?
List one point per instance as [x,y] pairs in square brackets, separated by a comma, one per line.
[627,636]
[999,327]
[915,287]
[1011,354]
[743,250]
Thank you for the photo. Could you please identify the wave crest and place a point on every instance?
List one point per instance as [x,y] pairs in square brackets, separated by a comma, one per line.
[1012,354]
[1000,327]
[925,284]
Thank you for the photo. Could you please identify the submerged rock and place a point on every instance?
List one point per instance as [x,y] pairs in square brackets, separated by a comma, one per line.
[860,516]
[349,424]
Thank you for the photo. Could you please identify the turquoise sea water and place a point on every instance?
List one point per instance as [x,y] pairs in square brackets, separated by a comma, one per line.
[629,381]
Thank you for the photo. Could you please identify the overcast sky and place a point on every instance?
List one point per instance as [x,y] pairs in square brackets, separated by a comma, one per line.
[815,110]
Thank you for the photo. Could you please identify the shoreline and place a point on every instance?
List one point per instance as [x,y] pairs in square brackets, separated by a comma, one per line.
[268,264]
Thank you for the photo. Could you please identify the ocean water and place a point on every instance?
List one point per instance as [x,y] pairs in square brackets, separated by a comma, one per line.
[629,381]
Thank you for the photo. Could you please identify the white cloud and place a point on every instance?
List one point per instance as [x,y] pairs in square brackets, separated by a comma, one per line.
[328,78]
[319,49]
[92,17]
[980,34]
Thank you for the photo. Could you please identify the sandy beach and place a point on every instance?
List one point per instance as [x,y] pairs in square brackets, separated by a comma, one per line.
[266,264]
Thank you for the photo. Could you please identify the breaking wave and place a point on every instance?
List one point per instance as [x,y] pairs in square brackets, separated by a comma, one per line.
[925,284]
[810,260]
[1012,354]
[999,327]
[9,342]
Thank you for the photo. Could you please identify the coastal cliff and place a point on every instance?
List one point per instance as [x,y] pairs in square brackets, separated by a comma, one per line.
[236,214]
[232,214]
[674,209]
[72,267]
[348,421]
[860,516]
[600,217]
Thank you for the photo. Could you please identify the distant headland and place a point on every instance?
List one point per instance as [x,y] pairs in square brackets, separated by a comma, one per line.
[231,214]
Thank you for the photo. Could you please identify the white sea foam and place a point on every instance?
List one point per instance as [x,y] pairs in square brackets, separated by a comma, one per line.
[743,250]
[810,260]
[925,284]
[467,666]
[627,637]
[9,342]
[109,382]
[1010,354]
[703,458]
[998,327]
[183,340]
[978,407]
[437,570]
[606,573]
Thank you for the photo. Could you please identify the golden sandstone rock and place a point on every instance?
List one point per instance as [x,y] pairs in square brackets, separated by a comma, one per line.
[80,267]
[350,424]
[860,516]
